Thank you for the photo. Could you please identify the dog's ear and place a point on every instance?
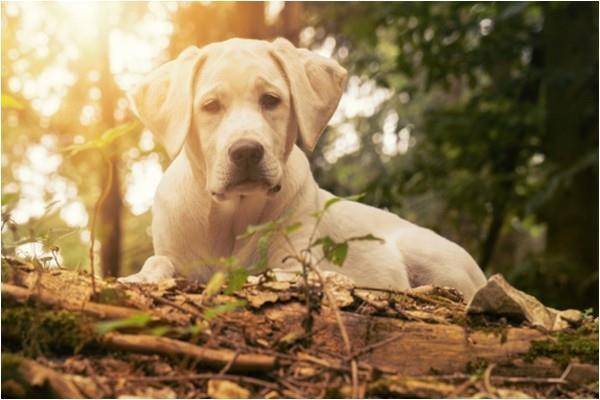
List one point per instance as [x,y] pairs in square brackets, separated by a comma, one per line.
[316,86]
[163,100]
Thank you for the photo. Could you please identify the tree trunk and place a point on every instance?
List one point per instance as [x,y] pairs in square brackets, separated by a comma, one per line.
[290,21]
[249,20]
[571,52]
[110,216]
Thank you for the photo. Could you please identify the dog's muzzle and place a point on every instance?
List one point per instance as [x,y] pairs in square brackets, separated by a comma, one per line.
[248,170]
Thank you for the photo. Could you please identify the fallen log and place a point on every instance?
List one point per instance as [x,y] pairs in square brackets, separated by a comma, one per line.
[417,348]
[403,344]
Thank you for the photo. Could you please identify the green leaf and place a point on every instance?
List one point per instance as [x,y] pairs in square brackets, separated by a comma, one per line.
[331,202]
[236,279]
[338,254]
[11,102]
[263,254]
[266,227]
[115,133]
[8,198]
[333,251]
[159,331]
[195,329]
[215,284]
[105,139]
[293,227]
[136,321]
[223,308]
[367,237]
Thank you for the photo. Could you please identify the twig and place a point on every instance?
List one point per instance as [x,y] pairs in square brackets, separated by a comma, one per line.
[487,384]
[374,346]
[229,364]
[191,377]
[97,206]
[498,379]
[566,372]
[415,296]
[214,358]
[343,331]
[170,303]
[290,387]
[103,311]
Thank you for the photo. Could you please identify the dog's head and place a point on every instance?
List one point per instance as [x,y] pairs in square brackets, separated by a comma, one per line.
[239,106]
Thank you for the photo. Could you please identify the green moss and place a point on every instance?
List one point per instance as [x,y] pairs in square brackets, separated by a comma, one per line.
[114,296]
[581,343]
[37,331]
[481,323]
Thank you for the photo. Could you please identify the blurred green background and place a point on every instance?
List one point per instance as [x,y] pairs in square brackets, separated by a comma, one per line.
[478,120]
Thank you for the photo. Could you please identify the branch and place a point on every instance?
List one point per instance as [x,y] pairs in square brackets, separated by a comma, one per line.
[98,310]
[212,358]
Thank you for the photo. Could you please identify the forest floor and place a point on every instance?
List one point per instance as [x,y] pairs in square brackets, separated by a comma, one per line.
[64,336]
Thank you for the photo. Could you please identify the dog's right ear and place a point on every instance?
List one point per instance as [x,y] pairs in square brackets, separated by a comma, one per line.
[163,99]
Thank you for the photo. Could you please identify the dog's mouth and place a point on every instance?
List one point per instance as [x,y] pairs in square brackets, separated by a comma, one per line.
[247,186]
[264,179]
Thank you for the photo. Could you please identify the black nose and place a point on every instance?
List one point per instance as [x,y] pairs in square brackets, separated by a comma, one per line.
[246,152]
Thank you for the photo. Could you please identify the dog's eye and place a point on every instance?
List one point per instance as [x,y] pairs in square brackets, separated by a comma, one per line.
[269,101]
[211,106]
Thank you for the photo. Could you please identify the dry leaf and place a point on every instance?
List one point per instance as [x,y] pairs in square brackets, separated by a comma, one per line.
[222,389]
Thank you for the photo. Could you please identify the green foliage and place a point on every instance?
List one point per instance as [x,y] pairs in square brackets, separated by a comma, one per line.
[111,295]
[235,280]
[226,307]
[332,251]
[479,87]
[215,284]
[105,140]
[136,321]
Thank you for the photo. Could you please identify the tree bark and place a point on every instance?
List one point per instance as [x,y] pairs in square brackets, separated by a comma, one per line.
[249,20]
[110,216]
[290,21]
[571,53]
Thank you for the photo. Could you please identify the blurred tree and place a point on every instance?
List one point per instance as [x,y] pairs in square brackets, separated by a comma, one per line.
[111,220]
[478,120]
[571,140]
[492,143]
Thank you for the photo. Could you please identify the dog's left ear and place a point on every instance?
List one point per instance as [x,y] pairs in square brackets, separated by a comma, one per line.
[316,86]
[163,100]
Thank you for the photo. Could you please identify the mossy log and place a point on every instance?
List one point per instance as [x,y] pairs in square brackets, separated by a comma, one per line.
[411,344]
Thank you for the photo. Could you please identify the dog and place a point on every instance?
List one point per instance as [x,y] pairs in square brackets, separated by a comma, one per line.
[229,115]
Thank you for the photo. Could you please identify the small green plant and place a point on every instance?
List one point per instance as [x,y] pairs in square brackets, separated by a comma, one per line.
[333,251]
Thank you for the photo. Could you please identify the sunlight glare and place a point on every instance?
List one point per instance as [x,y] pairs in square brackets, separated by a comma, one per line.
[36,250]
[142,182]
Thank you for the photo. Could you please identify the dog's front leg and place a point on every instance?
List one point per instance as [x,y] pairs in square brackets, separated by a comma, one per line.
[155,269]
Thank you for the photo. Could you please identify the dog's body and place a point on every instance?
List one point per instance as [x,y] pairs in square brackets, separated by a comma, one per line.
[239,166]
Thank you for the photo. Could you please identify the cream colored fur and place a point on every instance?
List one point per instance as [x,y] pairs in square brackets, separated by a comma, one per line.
[201,206]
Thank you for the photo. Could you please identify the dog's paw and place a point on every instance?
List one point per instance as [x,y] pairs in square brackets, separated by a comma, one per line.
[156,269]
[134,278]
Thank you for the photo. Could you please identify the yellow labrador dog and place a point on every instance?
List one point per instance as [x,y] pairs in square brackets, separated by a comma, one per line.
[229,114]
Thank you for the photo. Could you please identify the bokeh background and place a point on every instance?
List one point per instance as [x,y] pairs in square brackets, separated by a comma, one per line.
[478,120]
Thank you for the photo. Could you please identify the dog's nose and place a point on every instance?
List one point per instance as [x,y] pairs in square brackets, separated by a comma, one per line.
[246,152]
